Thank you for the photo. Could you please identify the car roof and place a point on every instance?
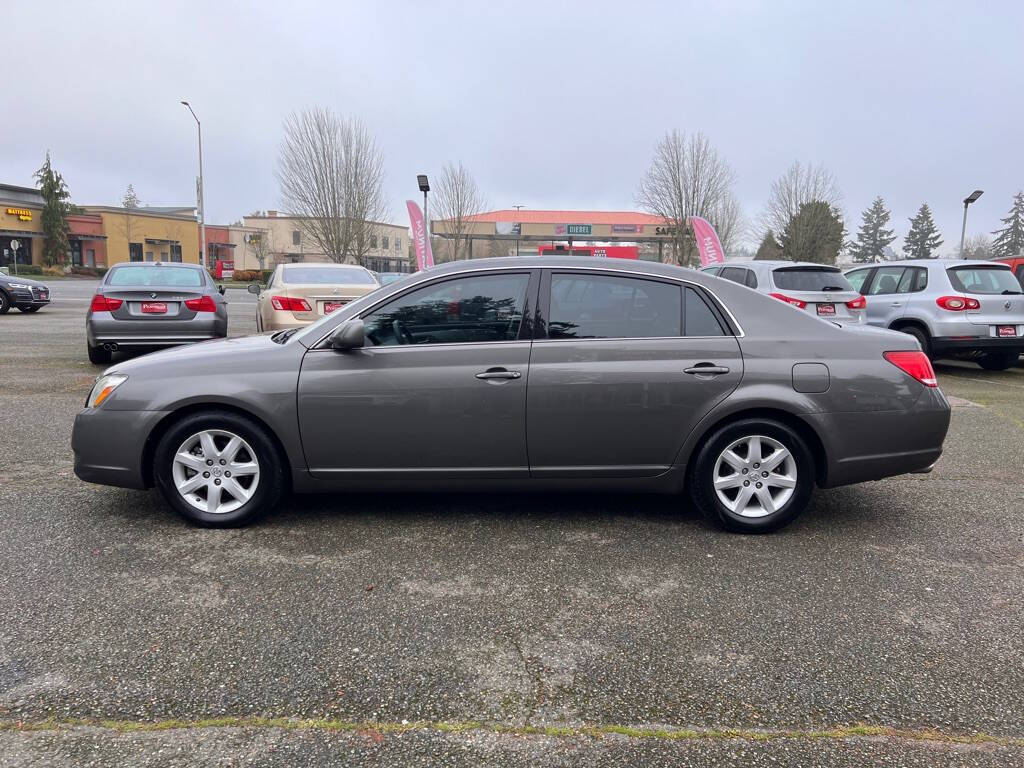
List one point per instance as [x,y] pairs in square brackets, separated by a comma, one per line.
[772,263]
[926,262]
[323,264]
[133,264]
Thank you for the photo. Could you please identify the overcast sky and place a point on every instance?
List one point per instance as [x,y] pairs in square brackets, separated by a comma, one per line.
[550,105]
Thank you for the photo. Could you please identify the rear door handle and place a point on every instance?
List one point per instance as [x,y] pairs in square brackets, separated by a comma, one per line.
[706,369]
[498,373]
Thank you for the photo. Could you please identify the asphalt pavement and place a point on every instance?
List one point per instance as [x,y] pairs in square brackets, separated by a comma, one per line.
[885,626]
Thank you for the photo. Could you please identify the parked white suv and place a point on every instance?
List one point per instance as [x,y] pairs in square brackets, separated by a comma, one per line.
[816,288]
[955,308]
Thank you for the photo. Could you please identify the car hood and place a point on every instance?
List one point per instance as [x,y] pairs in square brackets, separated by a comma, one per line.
[205,354]
[23,280]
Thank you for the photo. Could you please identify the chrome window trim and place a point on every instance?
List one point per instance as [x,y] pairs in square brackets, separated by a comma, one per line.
[683,281]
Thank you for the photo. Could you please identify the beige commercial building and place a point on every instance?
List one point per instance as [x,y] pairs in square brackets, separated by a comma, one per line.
[286,241]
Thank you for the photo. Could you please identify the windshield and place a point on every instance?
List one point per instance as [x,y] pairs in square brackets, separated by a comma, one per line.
[327,276]
[983,279]
[153,276]
[811,279]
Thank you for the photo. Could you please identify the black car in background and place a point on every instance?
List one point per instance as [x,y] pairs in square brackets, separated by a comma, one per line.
[27,295]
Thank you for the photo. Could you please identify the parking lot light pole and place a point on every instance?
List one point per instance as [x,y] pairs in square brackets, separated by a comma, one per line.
[963,231]
[424,185]
[202,208]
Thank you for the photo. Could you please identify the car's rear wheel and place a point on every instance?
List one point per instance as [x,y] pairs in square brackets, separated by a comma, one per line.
[998,361]
[98,355]
[218,469]
[5,303]
[753,476]
[922,337]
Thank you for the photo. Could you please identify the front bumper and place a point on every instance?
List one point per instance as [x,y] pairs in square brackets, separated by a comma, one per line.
[29,297]
[109,445]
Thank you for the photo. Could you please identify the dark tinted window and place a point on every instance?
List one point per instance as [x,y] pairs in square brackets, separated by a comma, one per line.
[981,279]
[751,279]
[1020,275]
[468,309]
[920,279]
[612,307]
[156,277]
[700,320]
[887,280]
[736,274]
[857,278]
[810,279]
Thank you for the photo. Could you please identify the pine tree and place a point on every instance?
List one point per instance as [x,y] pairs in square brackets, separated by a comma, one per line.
[55,210]
[1010,239]
[814,234]
[769,250]
[130,199]
[873,238]
[923,239]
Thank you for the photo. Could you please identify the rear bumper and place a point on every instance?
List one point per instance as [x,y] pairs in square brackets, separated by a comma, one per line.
[101,328]
[101,460]
[864,446]
[945,344]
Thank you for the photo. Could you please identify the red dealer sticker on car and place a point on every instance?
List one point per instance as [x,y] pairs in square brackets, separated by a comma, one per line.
[330,306]
[1006,330]
[826,309]
[154,307]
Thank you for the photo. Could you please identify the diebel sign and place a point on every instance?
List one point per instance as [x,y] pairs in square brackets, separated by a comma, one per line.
[578,229]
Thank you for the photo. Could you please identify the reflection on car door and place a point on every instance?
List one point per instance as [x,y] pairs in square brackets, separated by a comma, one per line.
[616,385]
[440,386]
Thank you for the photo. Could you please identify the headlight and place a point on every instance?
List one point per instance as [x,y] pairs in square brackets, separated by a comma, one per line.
[104,388]
[19,285]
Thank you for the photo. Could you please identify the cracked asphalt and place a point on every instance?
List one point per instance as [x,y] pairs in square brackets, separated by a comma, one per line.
[898,603]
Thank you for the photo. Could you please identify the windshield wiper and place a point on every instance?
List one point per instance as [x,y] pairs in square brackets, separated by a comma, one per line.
[833,288]
[1011,292]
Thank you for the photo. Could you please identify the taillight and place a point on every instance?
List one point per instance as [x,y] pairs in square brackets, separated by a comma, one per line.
[958,303]
[202,304]
[789,300]
[859,303]
[287,303]
[101,303]
[914,364]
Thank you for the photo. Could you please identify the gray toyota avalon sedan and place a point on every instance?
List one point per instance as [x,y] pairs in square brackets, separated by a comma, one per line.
[513,374]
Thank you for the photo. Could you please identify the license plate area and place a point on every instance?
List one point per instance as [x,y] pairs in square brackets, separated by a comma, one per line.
[154,307]
[827,309]
[1006,331]
[331,306]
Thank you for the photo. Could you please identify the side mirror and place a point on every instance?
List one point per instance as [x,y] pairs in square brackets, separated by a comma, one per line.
[254,288]
[349,335]
[220,288]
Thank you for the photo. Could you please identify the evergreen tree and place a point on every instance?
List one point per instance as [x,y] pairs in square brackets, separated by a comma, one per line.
[55,210]
[769,250]
[923,239]
[1010,239]
[814,234]
[873,238]
[130,199]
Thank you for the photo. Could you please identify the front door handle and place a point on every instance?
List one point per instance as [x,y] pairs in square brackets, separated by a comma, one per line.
[498,373]
[706,369]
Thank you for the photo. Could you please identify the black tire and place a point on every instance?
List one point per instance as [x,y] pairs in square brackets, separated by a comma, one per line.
[998,361]
[272,479]
[5,303]
[98,355]
[29,309]
[702,473]
[922,337]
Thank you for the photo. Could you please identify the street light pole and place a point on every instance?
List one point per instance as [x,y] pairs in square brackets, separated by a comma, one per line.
[202,207]
[963,230]
[424,185]
[518,208]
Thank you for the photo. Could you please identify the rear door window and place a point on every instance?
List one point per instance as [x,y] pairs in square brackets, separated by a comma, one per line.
[982,279]
[887,280]
[736,274]
[587,306]
[810,279]
[857,278]
[156,277]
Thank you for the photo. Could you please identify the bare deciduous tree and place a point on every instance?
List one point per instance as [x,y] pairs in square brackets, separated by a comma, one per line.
[331,175]
[457,199]
[687,177]
[799,185]
[261,243]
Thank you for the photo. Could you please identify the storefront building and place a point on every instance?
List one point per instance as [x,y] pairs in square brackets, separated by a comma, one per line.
[140,234]
[20,225]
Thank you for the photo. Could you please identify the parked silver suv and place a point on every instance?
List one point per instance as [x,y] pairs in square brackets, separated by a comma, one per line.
[954,307]
[816,288]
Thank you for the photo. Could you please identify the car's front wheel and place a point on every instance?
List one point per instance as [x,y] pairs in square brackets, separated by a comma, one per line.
[753,476]
[998,361]
[5,303]
[218,469]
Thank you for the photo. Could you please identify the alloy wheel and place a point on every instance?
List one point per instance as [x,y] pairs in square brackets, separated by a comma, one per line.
[215,471]
[755,476]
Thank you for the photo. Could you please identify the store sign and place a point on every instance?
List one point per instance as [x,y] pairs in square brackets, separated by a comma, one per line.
[23,214]
[627,229]
[577,229]
[508,228]
[665,230]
